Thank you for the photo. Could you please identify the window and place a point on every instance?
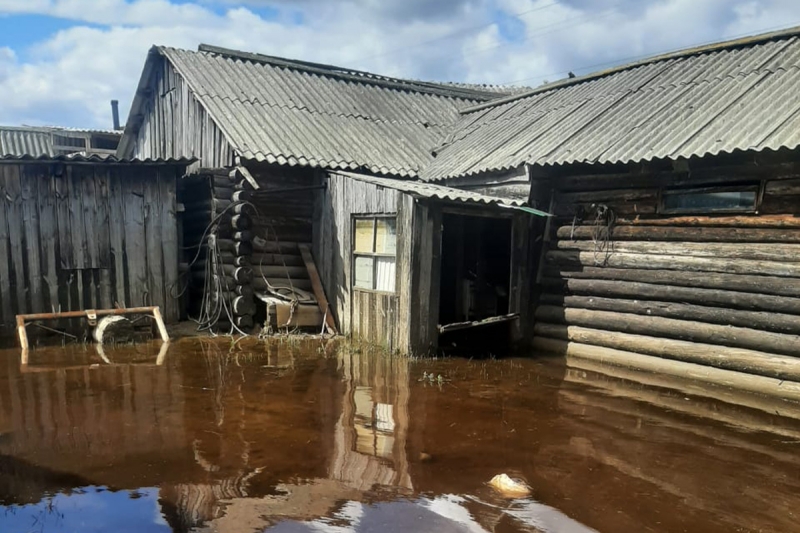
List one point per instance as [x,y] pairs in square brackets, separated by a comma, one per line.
[374,253]
[717,199]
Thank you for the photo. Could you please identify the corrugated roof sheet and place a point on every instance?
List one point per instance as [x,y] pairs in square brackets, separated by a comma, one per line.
[25,141]
[730,97]
[94,158]
[430,190]
[36,141]
[298,113]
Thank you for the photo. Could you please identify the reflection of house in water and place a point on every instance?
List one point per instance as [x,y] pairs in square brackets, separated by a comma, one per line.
[371,433]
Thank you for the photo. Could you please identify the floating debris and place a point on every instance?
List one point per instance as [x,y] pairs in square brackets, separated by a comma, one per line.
[510,488]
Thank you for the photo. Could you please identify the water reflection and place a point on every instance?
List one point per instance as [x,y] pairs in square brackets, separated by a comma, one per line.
[215,436]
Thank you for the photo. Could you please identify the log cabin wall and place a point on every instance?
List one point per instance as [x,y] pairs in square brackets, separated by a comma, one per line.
[377,317]
[77,236]
[621,275]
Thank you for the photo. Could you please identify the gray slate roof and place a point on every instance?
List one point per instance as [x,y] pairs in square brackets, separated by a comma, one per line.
[738,95]
[299,113]
[39,141]
[419,189]
[18,141]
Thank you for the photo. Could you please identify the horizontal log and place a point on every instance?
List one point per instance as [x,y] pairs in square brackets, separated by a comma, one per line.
[685,234]
[767,321]
[713,175]
[752,251]
[673,262]
[752,221]
[782,187]
[605,196]
[238,248]
[665,293]
[230,260]
[242,236]
[780,204]
[279,271]
[749,361]
[224,281]
[634,207]
[266,259]
[261,285]
[708,280]
[239,290]
[674,329]
[231,194]
[774,387]
[272,246]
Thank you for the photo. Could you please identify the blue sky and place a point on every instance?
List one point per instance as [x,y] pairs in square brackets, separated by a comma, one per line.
[61,61]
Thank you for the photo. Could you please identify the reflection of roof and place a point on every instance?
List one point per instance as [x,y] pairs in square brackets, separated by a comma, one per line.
[300,113]
[53,140]
[737,95]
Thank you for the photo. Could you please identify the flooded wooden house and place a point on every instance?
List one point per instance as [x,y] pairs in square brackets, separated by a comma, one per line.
[87,232]
[675,188]
[268,215]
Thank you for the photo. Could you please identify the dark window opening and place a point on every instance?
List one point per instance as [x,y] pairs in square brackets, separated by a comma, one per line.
[105,143]
[72,142]
[719,199]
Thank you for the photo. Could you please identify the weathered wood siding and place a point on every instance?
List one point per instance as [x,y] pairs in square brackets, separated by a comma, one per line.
[375,317]
[174,124]
[87,236]
[720,290]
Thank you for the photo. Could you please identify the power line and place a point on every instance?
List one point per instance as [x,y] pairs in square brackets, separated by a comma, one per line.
[459,32]
[630,59]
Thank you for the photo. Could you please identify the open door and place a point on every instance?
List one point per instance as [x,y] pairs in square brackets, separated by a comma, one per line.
[474,302]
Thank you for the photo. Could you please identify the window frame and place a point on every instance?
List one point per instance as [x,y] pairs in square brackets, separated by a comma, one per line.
[742,187]
[354,254]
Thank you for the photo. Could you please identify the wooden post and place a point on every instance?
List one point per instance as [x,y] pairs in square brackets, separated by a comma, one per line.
[319,291]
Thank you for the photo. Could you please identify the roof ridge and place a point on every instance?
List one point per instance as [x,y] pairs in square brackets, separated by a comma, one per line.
[730,44]
[359,76]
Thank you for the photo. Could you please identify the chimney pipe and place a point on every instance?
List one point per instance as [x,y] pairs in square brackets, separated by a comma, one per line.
[115,114]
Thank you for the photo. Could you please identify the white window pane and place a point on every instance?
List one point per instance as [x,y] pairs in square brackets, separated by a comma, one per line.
[364,272]
[364,235]
[385,274]
[386,236]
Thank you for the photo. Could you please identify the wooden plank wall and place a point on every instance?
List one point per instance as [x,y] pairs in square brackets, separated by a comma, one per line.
[81,236]
[719,290]
[378,318]
[175,124]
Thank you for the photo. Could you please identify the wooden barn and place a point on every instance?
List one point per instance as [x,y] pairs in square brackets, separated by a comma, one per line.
[675,188]
[265,222]
[80,233]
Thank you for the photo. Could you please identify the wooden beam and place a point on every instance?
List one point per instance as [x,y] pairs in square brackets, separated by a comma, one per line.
[741,360]
[724,378]
[319,291]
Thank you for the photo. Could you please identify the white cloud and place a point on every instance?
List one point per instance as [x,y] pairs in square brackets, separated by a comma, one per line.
[69,77]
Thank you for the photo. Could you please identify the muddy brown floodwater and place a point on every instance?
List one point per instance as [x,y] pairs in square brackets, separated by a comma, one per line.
[316,437]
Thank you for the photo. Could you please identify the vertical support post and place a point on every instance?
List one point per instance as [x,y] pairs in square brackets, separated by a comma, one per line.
[23,334]
[162,329]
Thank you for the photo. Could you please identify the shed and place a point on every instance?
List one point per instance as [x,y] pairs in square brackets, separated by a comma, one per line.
[675,185]
[264,131]
[403,263]
[82,233]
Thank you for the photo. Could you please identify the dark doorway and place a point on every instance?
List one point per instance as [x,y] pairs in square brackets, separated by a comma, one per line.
[476,268]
